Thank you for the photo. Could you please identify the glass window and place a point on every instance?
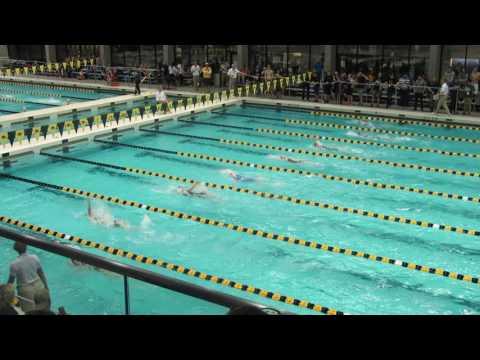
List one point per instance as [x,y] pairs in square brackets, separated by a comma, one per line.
[256,56]
[369,58]
[419,57]
[347,58]
[277,56]
[453,57]
[198,54]
[473,58]
[147,54]
[221,54]
[62,52]
[178,52]
[396,60]
[118,55]
[159,50]
[27,52]
[298,58]
[317,54]
[132,55]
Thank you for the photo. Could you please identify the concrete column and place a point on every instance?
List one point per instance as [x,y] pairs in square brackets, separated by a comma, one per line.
[3,54]
[105,55]
[433,65]
[242,56]
[168,55]
[330,64]
[51,53]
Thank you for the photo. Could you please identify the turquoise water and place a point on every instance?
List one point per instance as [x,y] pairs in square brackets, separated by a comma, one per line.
[34,97]
[352,285]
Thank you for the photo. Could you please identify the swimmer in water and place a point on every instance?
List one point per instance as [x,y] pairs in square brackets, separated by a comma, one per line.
[319,145]
[237,177]
[290,160]
[191,191]
[103,221]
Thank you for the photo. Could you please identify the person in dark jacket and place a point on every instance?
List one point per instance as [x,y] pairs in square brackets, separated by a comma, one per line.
[453,97]
[419,91]
[390,92]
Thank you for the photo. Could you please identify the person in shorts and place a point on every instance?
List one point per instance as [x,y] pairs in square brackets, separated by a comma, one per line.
[27,272]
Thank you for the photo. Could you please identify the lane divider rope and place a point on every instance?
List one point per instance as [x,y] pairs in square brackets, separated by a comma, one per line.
[338,139]
[342,209]
[325,155]
[340,126]
[172,267]
[373,184]
[393,120]
[262,234]
[381,131]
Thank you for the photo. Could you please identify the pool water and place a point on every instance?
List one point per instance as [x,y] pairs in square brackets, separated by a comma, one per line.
[17,97]
[349,284]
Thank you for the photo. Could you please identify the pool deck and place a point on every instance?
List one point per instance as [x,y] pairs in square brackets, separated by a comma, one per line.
[361,110]
[35,146]
[26,146]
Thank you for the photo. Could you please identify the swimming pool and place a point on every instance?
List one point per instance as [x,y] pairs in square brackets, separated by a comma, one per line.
[18,96]
[352,206]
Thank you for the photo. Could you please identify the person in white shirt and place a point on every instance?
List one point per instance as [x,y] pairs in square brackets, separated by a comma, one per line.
[232,75]
[161,97]
[27,272]
[443,98]
[171,74]
[195,70]
[179,74]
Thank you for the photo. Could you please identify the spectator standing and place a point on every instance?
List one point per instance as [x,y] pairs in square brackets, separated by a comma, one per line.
[206,75]
[376,92]
[27,272]
[232,76]
[475,82]
[318,67]
[268,75]
[390,92]
[419,91]
[450,75]
[172,70]
[336,87]
[316,86]
[138,79]
[467,94]
[327,88]
[453,92]
[403,85]
[443,98]
[348,90]
[305,90]
[179,75]
[361,81]
[195,69]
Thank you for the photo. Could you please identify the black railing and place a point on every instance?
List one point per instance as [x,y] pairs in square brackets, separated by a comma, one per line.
[128,271]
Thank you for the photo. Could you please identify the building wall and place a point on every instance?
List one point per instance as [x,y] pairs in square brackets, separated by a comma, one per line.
[413,60]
